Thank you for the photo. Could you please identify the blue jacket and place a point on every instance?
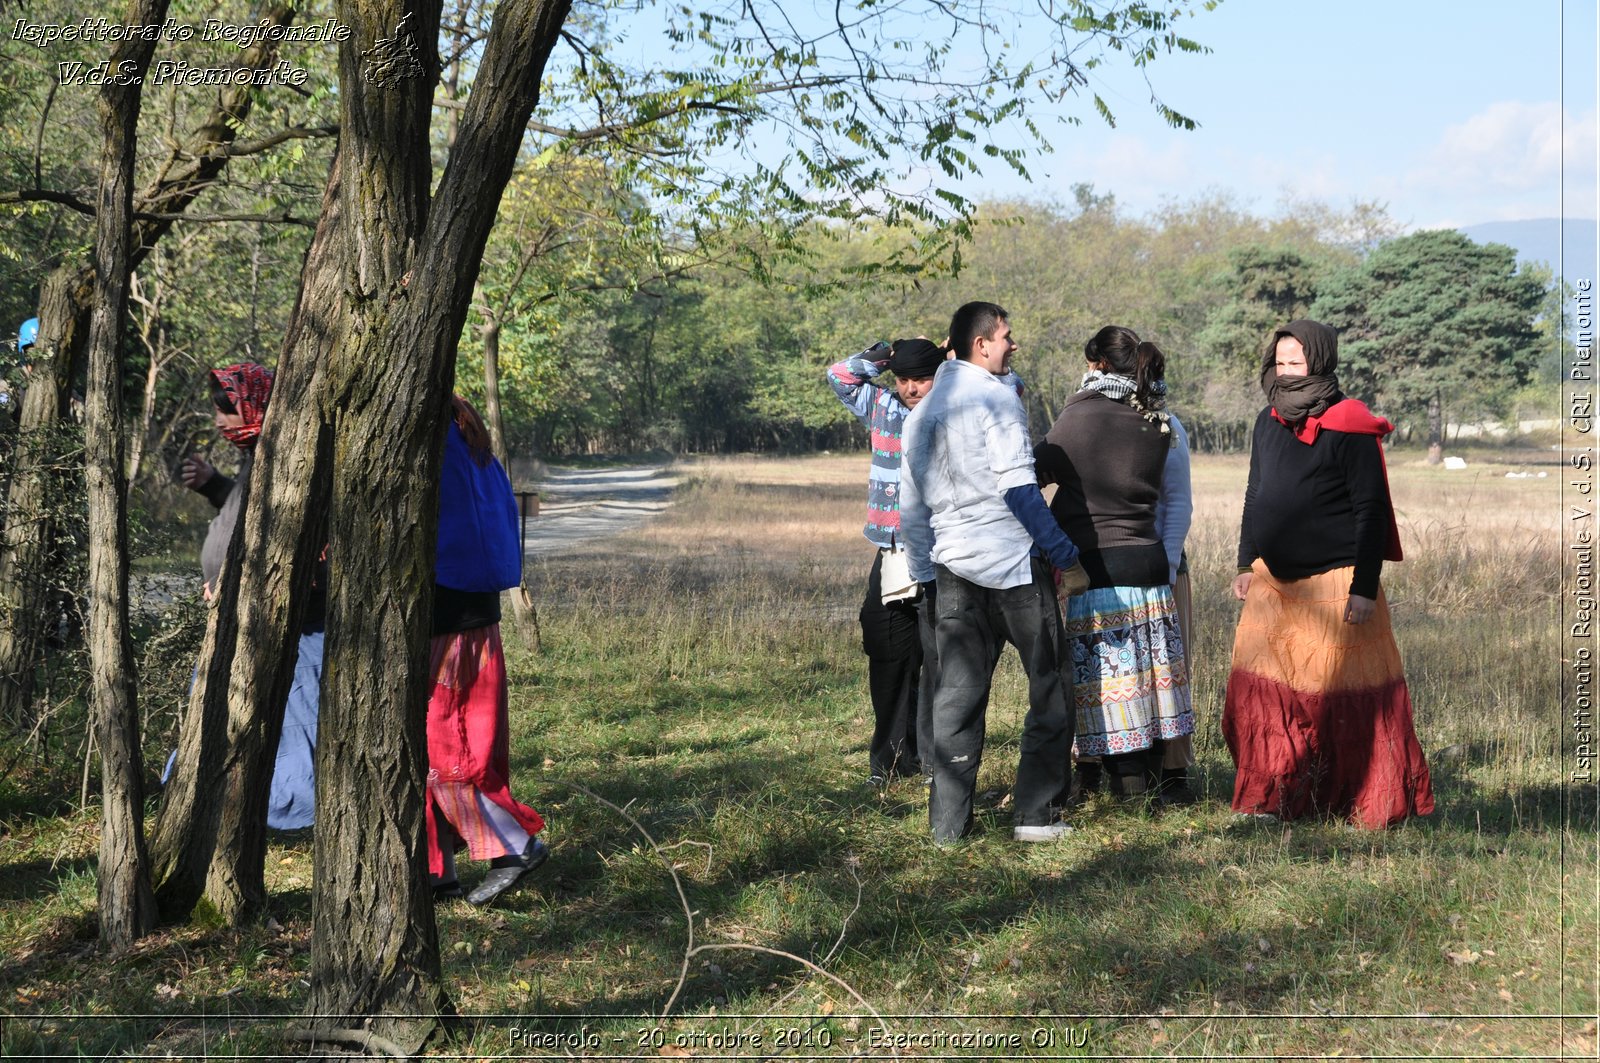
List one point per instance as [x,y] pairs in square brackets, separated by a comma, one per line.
[480,545]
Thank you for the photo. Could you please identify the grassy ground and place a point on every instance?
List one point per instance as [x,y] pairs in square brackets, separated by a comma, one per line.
[701,683]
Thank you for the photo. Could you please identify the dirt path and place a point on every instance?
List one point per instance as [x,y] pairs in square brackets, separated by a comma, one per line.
[578,506]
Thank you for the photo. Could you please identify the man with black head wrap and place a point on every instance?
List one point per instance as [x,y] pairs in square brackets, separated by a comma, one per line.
[889,634]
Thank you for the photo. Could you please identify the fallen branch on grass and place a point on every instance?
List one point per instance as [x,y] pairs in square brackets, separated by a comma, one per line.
[691,950]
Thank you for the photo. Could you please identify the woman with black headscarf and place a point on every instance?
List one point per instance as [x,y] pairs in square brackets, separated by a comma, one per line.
[1318,716]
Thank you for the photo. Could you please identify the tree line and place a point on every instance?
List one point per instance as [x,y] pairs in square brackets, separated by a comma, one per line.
[720,359]
[337,227]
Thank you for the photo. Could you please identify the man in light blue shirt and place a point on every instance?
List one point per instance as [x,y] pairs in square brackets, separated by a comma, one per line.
[975,527]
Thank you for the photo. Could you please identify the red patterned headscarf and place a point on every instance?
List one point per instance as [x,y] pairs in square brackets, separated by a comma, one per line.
[247,387]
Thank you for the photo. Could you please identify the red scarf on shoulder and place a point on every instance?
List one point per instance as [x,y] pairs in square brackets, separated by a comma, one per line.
[1352,416]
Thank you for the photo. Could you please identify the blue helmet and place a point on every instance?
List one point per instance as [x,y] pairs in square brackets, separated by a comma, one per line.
[27,333]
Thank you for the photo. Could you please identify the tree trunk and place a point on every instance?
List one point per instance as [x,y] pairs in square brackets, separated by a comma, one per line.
[210,838]
[64,322]
[1435,429]
[127,908]
[491,388]
[40,450]
[284,532]
[409,277]
[150,332]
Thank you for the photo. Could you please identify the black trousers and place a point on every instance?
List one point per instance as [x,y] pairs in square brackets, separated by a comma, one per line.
[890,639]
[969,619]
[927,622]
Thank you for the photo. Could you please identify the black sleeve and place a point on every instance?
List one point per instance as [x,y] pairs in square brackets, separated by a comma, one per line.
[1361,459]
[217,489]
[1048,460]
[1247,543]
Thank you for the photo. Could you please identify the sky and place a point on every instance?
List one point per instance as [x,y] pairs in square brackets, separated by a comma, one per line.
[1451,112]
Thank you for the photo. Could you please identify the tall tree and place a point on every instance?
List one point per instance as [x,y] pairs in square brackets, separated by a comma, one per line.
[190,167]
[210,835]
[410,263]
[127,907]
[1435,318]
[1267,285]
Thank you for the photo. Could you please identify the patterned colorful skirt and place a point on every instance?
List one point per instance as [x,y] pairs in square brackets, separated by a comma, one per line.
[1318,717]
[469,758]
[1129,679]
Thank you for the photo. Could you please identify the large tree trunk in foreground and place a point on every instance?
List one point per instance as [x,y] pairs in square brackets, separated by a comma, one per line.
[408,283]
[210,837]
[127,908]
[285,531]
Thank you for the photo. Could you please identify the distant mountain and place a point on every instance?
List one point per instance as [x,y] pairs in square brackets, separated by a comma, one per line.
[1539,240]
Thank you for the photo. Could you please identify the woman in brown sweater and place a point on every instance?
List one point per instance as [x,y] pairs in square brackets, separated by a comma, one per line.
[1106,454]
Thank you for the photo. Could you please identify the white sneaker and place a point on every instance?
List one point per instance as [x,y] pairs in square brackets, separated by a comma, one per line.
[1048,832]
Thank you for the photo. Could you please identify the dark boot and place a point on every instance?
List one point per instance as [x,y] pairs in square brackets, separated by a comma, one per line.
[1085,784]
[1174,788]
[1125,775]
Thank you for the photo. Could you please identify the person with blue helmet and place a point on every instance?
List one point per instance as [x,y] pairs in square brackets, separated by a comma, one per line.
[27,335]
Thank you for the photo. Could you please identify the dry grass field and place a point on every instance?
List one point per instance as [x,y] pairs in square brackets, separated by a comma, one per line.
[696,720]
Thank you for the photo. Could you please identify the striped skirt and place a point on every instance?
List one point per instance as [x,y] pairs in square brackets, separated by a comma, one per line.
[469,758]
[1130,682]
[1318,717]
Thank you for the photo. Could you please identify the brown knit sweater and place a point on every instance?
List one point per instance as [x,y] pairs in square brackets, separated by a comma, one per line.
[1106,461]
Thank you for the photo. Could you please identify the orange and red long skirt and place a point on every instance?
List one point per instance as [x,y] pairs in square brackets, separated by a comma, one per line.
[1318,717]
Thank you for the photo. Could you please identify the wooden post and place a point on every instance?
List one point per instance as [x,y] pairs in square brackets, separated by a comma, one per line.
[525,614]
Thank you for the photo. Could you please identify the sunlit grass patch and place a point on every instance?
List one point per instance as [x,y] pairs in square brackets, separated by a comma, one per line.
[704,675]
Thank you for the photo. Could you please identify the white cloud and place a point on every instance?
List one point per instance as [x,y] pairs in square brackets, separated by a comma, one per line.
[1507,162]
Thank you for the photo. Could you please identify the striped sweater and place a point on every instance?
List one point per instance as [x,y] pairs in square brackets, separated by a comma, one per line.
[880,409]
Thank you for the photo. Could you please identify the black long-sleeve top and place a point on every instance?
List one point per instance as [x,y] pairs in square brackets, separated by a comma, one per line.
[1107,461]
[456,611]
[1313,508]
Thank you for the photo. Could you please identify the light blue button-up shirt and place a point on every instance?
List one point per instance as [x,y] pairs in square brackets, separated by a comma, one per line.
[965,445]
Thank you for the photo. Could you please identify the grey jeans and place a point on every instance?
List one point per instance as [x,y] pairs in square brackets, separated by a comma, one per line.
[969,620]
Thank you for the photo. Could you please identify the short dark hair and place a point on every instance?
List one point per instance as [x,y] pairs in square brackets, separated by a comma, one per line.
[971,321]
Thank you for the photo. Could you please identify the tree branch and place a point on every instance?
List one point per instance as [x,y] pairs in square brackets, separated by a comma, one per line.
[165,218]
[297,132]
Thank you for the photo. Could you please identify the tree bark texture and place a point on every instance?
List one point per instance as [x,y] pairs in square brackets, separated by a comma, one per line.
[410,269]
[127,906]
[210,837]
[64,310]
[29,527]
[285,529]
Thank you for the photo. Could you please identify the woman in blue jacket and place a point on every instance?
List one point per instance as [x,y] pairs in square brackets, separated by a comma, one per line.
[469,766]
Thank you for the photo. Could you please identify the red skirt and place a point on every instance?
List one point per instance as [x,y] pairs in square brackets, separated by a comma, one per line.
[1318,717]
[469,744]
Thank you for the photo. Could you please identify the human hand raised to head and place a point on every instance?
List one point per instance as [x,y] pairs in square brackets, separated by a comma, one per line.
[1359,610]
[1241,584]
[196,472]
